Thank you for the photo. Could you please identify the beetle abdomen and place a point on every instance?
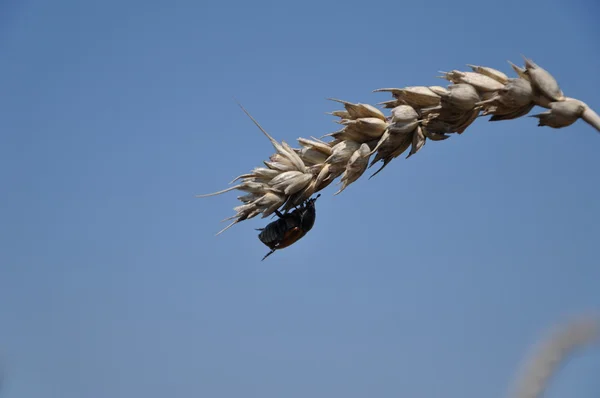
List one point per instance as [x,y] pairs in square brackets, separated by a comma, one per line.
[275,231]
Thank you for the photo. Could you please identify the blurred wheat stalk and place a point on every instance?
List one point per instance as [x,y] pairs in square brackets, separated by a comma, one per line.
[552,351]
[418,114]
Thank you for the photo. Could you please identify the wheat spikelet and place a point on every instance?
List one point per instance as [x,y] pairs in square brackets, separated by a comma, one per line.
[418,114]
[552,351]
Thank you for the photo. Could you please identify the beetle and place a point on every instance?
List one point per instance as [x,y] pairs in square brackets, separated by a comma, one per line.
[289,228]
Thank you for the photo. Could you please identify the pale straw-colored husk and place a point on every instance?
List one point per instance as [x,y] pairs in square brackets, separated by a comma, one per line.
[418,114]
[551,352]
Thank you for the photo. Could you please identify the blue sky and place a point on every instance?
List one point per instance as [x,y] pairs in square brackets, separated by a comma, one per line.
[431,279]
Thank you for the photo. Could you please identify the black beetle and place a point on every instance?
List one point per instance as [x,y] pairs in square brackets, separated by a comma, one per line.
[289,228]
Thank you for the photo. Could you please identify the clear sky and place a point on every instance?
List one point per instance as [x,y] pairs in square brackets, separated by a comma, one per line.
[431,279]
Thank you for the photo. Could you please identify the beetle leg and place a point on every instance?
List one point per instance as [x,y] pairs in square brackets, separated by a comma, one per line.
[278,214]
[268,254]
